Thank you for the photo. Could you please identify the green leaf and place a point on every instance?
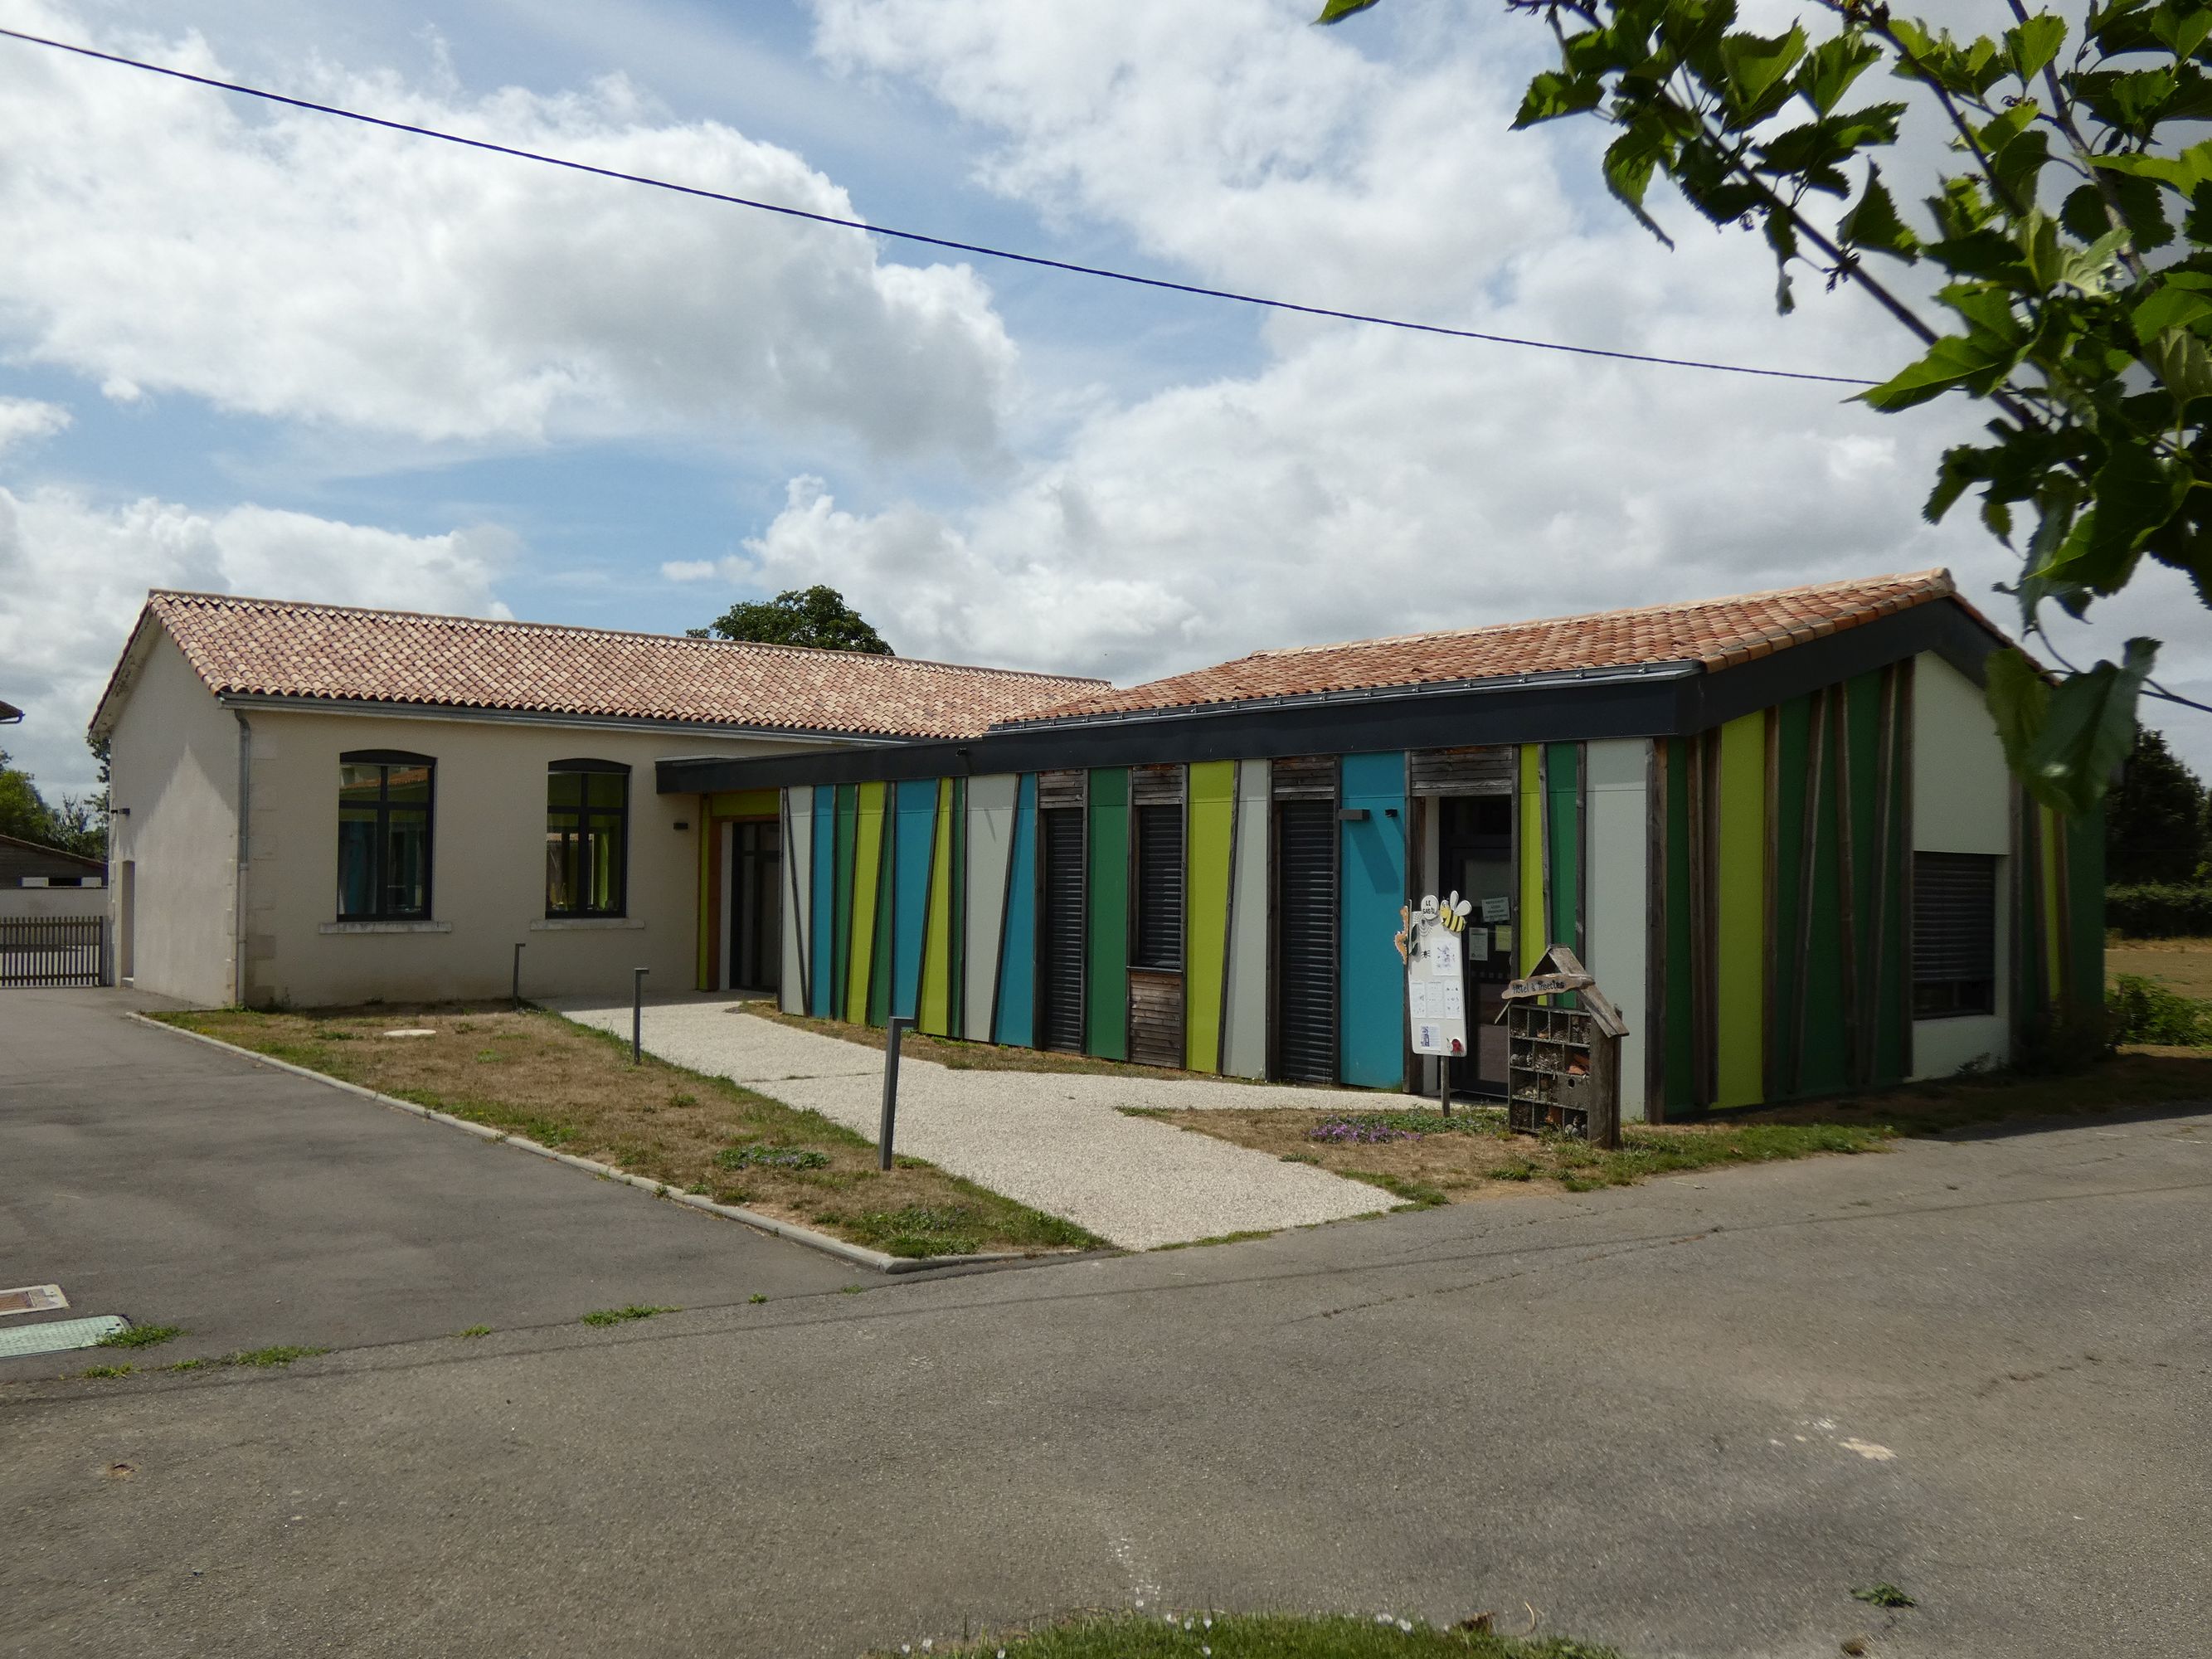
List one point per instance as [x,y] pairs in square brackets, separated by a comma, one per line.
[1752,68]
[1976,362]
[2085,729]
[1874,222]
[2171,305]
[1552,95]
[2034,44]
[1629,160]
[2019,699]
[1337,10]
[1830,67]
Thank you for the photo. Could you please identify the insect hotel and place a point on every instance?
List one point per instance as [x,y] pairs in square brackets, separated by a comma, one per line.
[1563,1063]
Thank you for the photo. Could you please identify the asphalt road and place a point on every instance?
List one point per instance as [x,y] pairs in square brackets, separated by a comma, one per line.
[158,1178]
[1686,1418]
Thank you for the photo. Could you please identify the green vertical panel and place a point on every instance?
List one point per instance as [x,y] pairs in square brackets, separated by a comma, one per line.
[1106,998]
[1793,748]
[1821,1070]
[1212,789]
[936,1009]
[1739,915]
[867,888]
[2047,871]
[841,899]
[1563,786]
[2085,860]
[1681,1066]
[1890,984]
[1529,846]
[1862,706]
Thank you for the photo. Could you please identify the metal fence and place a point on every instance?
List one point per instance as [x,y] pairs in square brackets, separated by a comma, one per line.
[53,950]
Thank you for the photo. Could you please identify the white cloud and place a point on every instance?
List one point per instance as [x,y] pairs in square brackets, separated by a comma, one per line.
[25,420]
[688,570]
[163,239]
[76,574]
[1364,482]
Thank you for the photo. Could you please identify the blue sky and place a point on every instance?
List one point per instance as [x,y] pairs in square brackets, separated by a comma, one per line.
[272,352]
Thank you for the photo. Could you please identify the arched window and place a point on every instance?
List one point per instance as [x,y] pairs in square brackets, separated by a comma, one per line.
[587,838]
[383,835]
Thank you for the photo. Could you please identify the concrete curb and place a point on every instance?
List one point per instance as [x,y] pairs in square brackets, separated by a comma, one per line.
[857,1254]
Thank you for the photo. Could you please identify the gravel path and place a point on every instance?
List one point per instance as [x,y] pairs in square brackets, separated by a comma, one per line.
[1054,1141]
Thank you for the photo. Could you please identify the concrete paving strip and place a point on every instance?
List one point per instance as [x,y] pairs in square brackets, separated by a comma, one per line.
[1058,1141]
[58,1335]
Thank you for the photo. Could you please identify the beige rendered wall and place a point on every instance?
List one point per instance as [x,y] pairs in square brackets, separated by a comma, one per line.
[487,865]
[1961,803]
[53,902]
[173,763]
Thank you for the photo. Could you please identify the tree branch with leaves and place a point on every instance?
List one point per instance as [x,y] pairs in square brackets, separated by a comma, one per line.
[2074,236]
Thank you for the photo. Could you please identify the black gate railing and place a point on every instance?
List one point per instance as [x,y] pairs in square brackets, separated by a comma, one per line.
[53,950]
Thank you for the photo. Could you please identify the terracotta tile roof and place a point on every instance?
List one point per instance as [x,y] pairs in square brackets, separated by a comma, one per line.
[268,648]
[1713,634]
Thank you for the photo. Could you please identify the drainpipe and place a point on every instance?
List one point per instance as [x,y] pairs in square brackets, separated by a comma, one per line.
[245,808]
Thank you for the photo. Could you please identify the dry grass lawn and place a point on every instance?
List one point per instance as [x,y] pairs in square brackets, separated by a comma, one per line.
[2182,965]
[539,1076]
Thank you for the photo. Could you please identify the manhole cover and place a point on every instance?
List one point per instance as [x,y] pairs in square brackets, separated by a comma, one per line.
[58,1334]
[33,1298]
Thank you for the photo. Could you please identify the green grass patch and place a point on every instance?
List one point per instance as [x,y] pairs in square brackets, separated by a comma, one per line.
[622,1316]
[279,1355]
[1268,1636]
[107,1371]
[2143,1011]
[1884,1596]
[475,1330]
[141,1336]
[771,1157]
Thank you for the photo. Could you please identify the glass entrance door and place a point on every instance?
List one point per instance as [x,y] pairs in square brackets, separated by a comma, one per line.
[1475,845]
[755,905]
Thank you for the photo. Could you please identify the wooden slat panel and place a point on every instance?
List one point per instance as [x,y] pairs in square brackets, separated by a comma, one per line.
[1155,1017]
[1156,786]
[1063,789]
[1305,777]
[1475,771]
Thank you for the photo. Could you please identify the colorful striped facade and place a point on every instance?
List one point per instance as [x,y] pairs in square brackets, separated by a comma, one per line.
[1744,890]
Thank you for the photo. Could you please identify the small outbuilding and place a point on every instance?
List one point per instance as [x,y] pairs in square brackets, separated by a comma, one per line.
[1778,827]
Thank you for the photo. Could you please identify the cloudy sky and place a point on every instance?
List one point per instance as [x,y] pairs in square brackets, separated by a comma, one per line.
[267,352]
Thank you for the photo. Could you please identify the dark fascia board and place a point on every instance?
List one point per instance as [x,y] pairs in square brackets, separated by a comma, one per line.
[1554,711]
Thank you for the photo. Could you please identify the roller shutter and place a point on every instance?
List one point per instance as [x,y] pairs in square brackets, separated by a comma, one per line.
[1059,932]
[1305,940]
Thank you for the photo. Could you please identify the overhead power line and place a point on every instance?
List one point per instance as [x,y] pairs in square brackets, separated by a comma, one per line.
[921,238]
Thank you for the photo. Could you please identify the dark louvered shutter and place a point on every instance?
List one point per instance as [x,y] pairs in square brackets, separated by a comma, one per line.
[1159,887]
[1955,939]
[1059,943]
[1305,940]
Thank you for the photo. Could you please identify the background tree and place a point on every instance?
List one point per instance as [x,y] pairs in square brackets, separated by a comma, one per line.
[2155,819]
[817,616]
[78,826]
[2074,238]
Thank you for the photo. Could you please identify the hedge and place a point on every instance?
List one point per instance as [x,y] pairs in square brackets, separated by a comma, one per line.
[2160,910]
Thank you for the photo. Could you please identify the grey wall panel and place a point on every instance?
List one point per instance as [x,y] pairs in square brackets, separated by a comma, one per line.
[1244,1039]
[798,890]
[990,842]
[1616,911]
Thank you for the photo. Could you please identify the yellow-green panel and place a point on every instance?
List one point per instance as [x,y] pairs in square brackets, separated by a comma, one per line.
[706,848]
[2047,854]
[1739,920]
[1532,944]
[1213,789]
[936,1007]
[867,873]
[746,803]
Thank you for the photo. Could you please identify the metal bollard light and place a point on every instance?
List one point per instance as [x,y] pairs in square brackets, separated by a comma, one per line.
[893,1028]
[637,1015]
[518,976]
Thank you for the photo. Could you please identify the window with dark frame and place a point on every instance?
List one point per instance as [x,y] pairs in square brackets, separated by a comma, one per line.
[385,800]
[1160,888]
[1954,934]
[587,838]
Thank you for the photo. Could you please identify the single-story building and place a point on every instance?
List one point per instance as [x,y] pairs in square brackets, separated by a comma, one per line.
[1779,829]
[318,804]
[37,880]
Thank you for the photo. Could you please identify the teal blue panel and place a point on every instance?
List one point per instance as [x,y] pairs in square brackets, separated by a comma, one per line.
[1015,1021]
[1371,1029]
[825,900]
[916,831]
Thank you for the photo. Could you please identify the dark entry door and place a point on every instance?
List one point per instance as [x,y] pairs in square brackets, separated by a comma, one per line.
[1474,846]
[757,906]
[1060,930]
[1305,940]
